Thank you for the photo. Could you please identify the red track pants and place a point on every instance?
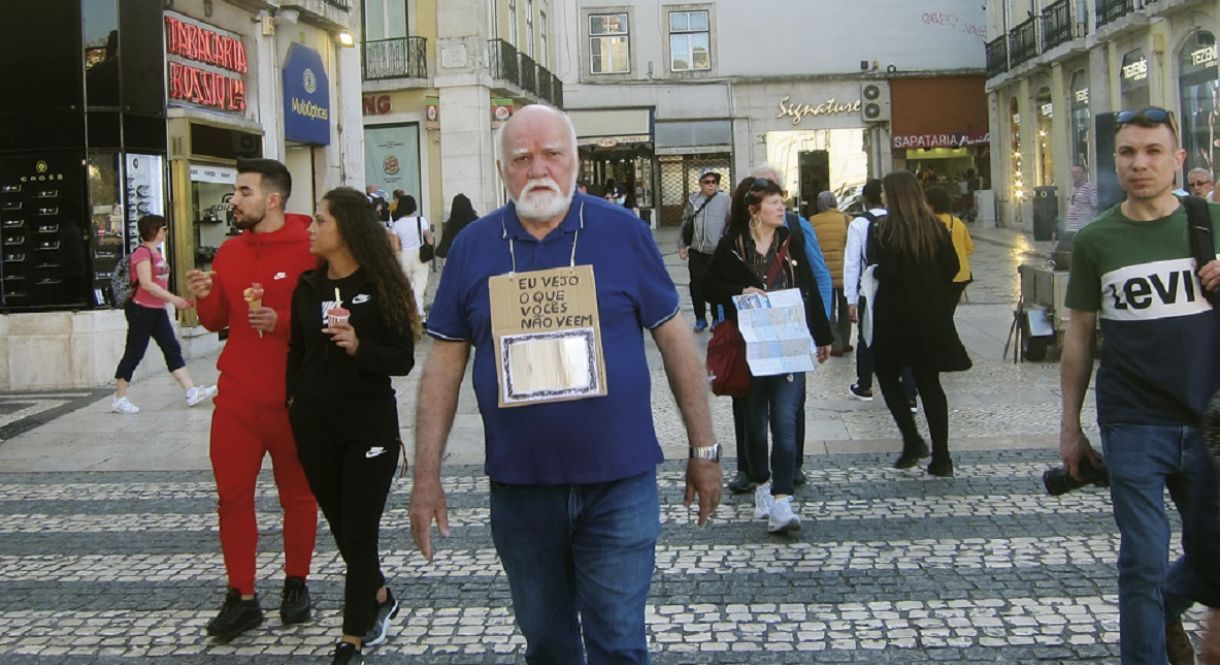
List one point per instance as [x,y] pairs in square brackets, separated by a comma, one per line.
[240,440]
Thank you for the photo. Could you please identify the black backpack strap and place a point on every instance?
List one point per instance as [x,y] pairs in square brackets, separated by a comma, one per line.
[1199,227]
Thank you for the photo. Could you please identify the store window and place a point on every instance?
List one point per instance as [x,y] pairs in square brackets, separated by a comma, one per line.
[384,19]
[1078,96]
[1199,90]
[609,44]
[1014,130]
[1045,168]
[1133,80]
[689,41]
[100,22]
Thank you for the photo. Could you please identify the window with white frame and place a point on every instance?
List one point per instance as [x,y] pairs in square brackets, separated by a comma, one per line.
[529,28]
[384,19]
[689,41]
[493,24]
[512,22]
[544,55]
[609,44]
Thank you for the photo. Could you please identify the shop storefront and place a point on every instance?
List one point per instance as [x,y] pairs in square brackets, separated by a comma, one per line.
[686,148]
[1199,90]
[1133,80]
[617,150]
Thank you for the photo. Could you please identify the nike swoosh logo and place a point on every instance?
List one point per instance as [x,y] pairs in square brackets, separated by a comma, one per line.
[280,275]
[374,452]
[360,298]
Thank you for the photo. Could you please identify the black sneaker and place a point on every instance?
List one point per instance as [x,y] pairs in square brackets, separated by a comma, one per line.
[236,616]
[347,653]
[294,603]
[381,624]
[741,484]
[862,394]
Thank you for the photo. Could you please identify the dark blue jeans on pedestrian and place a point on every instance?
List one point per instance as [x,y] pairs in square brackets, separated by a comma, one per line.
[144,323]
[579,558]
[772,404]
[1143,461]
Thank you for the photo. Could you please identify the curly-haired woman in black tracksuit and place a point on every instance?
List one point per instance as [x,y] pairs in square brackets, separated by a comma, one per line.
[341,402]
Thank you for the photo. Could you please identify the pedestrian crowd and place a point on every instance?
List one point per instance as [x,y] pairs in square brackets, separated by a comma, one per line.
[320,318]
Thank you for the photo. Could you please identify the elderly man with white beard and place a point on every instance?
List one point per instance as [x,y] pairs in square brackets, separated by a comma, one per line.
[553,291]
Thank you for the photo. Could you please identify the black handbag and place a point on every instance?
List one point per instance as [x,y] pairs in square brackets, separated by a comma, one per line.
[426,250]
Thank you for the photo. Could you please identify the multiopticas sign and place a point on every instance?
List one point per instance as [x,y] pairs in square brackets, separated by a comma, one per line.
[201,58]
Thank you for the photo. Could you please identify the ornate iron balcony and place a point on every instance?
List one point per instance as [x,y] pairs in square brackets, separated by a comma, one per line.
[503,63]
[1056,24]
[529,74]
[997,56]
[399,57]
[1023,42]
[1112,10]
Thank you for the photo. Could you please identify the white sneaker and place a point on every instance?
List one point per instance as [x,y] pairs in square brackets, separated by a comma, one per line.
[782,519]
[200,394]
[763,501]
[123,405]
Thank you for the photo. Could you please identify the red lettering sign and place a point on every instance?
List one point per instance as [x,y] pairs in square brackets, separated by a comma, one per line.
[196,86]
[376,104]
[197,43]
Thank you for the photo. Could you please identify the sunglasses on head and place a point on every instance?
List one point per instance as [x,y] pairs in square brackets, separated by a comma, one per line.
[1146,117]
[760,183]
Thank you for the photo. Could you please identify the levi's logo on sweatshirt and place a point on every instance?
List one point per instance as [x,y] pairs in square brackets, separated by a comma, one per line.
[1154,290]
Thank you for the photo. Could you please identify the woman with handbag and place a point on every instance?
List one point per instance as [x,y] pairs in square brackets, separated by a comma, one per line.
[915,264]
[755,256]
[415,235]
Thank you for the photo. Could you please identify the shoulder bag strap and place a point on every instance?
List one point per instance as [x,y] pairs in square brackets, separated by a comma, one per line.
[1201,233]
[781,256]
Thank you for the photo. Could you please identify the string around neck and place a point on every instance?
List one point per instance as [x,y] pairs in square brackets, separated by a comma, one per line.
[512,245]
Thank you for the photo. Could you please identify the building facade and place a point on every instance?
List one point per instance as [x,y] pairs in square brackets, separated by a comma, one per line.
[1057,72]
[660,91]
[132,107]
[439,78]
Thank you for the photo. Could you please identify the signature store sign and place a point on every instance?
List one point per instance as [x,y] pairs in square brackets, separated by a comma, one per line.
[207,65]
[798,111]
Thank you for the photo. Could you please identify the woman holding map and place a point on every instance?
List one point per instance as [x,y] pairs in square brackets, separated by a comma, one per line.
[754,257]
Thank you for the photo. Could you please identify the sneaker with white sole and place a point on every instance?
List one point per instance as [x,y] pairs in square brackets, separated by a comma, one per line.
[782,519]
[123,405]
[763,501]
[200,394]
[381,623]
[862,394]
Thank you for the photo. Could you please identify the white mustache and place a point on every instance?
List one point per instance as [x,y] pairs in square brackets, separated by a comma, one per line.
[541,183]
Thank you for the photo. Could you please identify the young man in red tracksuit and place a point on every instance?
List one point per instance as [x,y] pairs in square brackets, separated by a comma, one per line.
[251,418]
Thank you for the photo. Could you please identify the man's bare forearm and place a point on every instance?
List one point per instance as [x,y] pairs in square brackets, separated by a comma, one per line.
[1076,366]
[687,379]
[437,404]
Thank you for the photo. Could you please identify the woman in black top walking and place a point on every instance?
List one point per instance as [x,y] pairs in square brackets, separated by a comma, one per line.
[354,325]
[913,316]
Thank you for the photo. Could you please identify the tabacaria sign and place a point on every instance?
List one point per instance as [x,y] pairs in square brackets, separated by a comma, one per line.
[207,65]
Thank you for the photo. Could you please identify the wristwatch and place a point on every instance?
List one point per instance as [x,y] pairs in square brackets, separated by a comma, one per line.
[711,453]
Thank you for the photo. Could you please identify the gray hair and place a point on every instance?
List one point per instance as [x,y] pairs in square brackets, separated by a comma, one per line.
[768,171]
[1200,169]
[826,201]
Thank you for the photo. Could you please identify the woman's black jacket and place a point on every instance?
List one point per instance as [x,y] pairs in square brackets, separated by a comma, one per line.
[319,371]
[728,275]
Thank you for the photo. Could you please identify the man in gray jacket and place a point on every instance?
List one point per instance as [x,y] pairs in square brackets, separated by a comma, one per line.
[702,225]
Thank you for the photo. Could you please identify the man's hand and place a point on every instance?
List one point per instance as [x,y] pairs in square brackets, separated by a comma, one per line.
[1073,447]
[344,336]
[428,504]
[1210,275]
[851,312]
[1211,640]
[199,282]
[682,253]
[703,478]
[263,319]
[823,353]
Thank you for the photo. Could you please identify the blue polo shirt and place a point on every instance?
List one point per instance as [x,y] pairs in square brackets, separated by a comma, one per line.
[590,440]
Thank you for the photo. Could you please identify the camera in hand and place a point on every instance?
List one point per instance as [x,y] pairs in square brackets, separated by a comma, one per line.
[1058,481]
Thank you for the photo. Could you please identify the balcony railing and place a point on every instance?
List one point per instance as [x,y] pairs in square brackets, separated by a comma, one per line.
[544,84]
[997,56]
[1056,24]
[1112,10]
[556,91]
[529,74]
[1023,42]
[503,61]
[400,57]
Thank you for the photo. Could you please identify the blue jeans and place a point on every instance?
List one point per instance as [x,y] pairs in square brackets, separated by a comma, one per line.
[773,402]
[1143,461]
[579,557]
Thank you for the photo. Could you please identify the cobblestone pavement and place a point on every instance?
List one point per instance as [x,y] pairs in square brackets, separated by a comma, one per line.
[109,554]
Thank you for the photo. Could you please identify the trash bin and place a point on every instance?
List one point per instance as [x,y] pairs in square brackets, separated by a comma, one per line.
[1046,212]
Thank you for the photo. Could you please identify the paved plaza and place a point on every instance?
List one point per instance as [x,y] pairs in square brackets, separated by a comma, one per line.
[109,550]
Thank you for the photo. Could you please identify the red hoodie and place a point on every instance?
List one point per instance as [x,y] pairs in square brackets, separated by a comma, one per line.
[252,368]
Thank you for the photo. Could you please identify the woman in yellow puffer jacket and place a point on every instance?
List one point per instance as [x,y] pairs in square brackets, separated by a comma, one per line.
[830,226]
[941,203]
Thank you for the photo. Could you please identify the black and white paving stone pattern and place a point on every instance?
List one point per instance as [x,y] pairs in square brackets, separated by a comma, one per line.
[890,567]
